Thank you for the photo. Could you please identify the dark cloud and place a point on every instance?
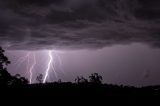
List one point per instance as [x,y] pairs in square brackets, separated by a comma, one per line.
[74,24]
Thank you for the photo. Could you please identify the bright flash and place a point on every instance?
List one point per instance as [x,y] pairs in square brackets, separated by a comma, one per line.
[49,66]
[31,60]
[32,68]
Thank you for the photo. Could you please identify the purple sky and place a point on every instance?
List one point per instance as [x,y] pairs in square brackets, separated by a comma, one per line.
[136,64]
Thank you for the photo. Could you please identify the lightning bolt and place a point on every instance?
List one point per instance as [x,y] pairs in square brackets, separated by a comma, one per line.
[49,66]
[22,60]
[31,61]
[32,67]
[60,62]
[53,68]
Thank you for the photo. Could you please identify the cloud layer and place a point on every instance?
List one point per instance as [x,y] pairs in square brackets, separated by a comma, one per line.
[76,24]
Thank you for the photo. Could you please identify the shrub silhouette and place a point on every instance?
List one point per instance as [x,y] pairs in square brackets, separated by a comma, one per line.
[95,78]
[81,80]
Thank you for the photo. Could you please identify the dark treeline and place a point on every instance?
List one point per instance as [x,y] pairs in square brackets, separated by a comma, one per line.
[93,88]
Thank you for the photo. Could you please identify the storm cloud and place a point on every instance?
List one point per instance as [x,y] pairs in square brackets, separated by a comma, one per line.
[78,24]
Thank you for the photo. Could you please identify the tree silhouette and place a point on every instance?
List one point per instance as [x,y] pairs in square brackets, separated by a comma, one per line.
[18,80]
[81,80]
[96,78]
[3,60]
[59,81]
[5,77]
[40,78]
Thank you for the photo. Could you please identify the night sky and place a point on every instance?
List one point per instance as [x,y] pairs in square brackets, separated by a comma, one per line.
[119,39]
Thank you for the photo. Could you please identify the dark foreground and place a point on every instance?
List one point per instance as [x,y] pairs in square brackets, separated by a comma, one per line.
[101,93]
